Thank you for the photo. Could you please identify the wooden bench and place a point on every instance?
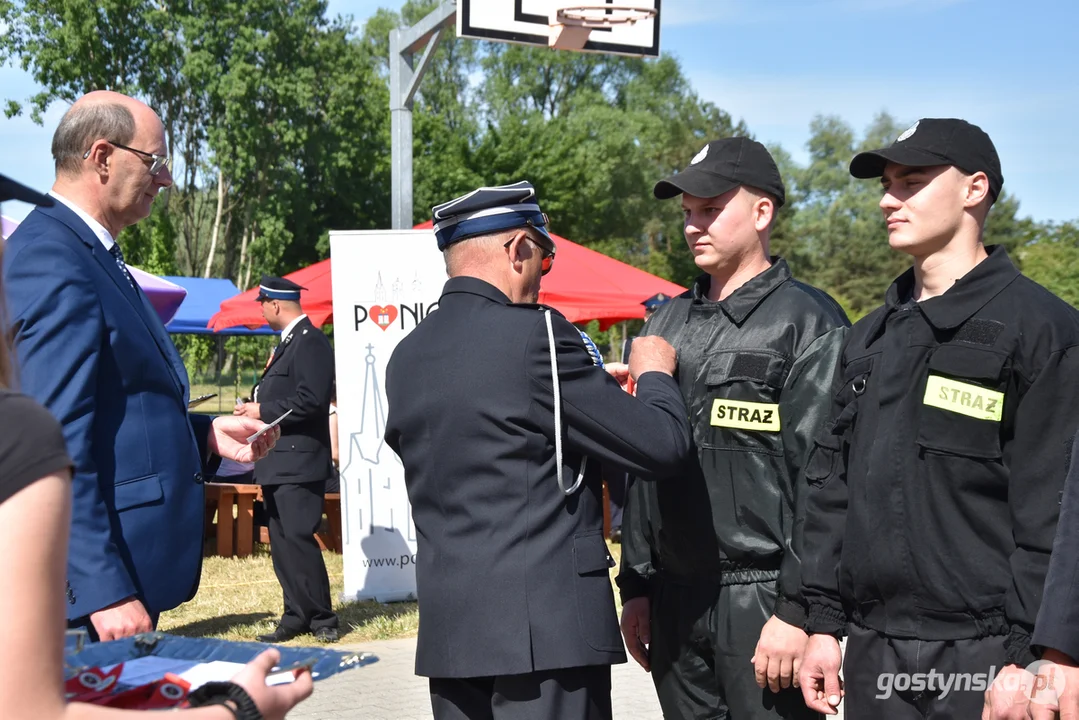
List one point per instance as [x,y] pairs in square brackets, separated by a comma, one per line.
[329,539]
[236,535]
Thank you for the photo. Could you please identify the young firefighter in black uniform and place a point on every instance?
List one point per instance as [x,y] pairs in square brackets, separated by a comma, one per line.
[710,577]
[502,421]
[299,377]
[935,492]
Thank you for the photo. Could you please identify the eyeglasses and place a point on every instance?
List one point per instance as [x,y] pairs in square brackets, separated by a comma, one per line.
[548,254]
[157,162]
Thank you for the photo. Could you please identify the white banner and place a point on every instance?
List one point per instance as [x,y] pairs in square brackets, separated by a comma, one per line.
[384,283]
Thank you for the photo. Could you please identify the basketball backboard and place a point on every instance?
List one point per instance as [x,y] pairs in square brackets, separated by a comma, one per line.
[530,22]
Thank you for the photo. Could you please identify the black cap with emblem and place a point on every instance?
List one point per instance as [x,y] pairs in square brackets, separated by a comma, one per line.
[936,141]
[724,165]
[278,288]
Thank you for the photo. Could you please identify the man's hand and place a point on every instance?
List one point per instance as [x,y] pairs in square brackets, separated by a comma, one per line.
[276,701]
[637,629]
[651,353]
[778,657]
[121,619]
[620,372]
[819,674]
[228,438]
[1052,693]
[1060,674]
[251,410]
[1008,698]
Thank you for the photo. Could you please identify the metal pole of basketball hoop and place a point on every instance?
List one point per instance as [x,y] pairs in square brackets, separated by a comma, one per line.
[404,79]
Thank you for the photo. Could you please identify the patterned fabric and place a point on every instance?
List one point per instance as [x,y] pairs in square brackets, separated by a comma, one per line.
[118,256]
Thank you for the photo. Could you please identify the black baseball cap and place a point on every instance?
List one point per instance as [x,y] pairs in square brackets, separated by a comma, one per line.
[11,190]
[722,166]
[936,141]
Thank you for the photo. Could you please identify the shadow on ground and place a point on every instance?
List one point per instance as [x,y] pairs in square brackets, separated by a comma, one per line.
[219,625]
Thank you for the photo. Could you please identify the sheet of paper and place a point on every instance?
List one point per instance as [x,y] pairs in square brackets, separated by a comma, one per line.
[142,671]
[260,432]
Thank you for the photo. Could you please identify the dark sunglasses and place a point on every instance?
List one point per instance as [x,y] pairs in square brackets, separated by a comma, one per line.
[548,254]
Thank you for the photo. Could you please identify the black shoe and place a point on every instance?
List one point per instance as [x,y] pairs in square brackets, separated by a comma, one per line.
[326,634]
[281,634]
[616,536]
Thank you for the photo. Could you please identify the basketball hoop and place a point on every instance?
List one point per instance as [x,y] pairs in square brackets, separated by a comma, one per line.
[571,26]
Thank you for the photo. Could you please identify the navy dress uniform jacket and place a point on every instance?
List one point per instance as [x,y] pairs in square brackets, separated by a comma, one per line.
[299,378]
[512,575]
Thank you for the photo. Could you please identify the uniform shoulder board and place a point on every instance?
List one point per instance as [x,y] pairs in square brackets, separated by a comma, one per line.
[536,306]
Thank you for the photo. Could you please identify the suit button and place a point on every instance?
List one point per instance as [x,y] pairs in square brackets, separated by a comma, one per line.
[198,478]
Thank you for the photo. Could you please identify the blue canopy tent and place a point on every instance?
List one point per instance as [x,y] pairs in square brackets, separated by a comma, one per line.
[204,298]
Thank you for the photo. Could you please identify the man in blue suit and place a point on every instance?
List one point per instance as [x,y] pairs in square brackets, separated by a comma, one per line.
[92,349]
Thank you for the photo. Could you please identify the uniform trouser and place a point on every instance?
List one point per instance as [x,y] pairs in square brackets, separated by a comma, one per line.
[580,693]
[702,640]
[294,513]
[896,679]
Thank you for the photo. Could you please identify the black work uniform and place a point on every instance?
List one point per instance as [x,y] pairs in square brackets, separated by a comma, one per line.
[517,616]
[713,549]
[935,492]
[293,475]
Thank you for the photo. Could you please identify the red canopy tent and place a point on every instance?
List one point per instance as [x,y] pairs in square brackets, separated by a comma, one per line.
[583,285]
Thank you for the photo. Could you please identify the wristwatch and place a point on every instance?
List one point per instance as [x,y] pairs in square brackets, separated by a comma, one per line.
[221,693]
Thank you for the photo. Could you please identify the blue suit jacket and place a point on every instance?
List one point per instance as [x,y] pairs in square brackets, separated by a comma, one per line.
[95,353]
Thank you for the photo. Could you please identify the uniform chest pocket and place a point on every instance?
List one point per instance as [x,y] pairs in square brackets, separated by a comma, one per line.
[741,408]
[963,401]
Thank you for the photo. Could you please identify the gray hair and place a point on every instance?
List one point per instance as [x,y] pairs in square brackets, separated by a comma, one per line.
[82,125]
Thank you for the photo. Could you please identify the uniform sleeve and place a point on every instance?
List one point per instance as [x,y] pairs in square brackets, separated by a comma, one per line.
[804,406]
[1045,424]
[1058,619]
[314,372]
[31,444]
[635,570]
[647,436]
[824,497]
[59,330]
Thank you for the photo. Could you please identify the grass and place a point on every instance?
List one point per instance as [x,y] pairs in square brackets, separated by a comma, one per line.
[240,598]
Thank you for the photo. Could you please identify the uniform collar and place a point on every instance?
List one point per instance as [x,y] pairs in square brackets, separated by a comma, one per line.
[743,301]
[292,326]
[961,301]
[474,286]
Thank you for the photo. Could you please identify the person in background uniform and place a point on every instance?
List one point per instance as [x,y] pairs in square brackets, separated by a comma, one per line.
[935,489]
[710,576]
[298,379]
[94,352]
[501,419]
[618,482]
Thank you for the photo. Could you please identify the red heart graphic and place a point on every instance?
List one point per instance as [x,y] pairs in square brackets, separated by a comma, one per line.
[383,316]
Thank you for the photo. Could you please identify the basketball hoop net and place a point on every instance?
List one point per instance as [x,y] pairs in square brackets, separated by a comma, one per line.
[571,26]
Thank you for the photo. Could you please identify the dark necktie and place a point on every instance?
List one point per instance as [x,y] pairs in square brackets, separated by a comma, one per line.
[118,256]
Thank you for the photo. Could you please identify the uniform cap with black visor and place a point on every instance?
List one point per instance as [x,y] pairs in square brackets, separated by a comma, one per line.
[272,287]
[936,141]
[722,166]
[489,210]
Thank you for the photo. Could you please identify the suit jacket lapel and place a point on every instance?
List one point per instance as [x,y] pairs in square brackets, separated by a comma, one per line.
[135,297]
[285,342]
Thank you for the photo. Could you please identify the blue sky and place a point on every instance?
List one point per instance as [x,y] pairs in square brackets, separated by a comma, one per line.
[1007,66]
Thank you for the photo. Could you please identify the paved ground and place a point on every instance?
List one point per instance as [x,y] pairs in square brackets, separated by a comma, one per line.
[389,690]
